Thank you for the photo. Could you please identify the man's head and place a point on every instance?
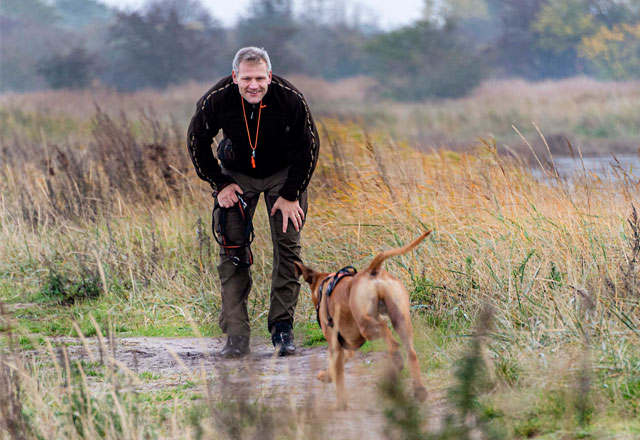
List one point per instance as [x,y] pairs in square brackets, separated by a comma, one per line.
[252,72]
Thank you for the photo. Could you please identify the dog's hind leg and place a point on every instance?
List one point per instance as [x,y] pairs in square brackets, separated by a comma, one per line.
[393,347]
[336,362]
[366,308]
[400,318]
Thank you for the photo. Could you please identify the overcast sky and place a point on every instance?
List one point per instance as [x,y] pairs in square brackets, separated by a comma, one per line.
[388,13]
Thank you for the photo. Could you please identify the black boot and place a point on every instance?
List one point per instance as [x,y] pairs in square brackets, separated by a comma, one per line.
[282,339]
[236,347]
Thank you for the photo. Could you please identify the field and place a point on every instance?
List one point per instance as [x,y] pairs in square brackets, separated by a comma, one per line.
[525,298]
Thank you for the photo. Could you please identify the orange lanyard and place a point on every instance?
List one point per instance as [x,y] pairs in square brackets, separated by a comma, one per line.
[253,146]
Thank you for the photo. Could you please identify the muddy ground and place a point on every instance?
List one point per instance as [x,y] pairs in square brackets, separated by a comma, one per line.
[278,382]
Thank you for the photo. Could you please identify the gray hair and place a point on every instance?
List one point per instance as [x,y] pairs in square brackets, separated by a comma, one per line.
[251,54]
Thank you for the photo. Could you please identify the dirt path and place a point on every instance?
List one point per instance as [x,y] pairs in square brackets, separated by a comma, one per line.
[267,379]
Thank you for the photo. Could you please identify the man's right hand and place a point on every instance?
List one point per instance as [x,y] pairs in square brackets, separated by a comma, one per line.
[227,196]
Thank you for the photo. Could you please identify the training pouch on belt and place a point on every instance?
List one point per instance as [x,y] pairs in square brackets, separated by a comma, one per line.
[226,153]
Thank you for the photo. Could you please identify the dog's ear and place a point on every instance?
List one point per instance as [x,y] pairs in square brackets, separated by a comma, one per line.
[306,272]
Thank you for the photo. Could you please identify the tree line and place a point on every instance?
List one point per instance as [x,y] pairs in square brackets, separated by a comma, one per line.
[452,48]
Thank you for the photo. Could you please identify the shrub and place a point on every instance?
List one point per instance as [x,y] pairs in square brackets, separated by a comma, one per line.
[422,60]
[65,288]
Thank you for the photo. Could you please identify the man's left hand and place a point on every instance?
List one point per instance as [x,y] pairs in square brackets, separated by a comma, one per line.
[290,211]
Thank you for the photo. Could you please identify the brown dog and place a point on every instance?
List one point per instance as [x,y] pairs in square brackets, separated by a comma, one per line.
[349,306]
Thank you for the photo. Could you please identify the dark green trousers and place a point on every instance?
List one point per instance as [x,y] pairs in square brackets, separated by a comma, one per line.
[236,282]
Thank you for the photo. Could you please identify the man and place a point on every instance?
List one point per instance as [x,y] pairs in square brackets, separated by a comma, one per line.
[269,145]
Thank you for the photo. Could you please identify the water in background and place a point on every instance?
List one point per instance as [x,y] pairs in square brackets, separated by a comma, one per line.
[605,168]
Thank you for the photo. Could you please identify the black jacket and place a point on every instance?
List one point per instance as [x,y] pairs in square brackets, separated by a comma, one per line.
[287,137]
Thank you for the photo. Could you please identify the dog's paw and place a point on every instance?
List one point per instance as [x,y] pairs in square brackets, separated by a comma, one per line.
[341,406]
[324,376]
[420,393]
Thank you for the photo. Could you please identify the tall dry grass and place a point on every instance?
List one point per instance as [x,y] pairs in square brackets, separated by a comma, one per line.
[597,117]
[118,224]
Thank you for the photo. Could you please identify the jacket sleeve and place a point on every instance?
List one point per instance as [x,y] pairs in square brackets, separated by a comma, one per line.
[306,147]
[202,130]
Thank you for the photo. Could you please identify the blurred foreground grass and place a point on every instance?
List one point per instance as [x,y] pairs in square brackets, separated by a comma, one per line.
[110,229]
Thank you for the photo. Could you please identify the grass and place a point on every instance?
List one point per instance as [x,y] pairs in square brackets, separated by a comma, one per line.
[312,334]
[597,117]
[179,392]
[111,225]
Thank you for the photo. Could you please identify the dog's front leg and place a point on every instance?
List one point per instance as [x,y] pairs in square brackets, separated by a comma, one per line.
[327,375]
[336,366]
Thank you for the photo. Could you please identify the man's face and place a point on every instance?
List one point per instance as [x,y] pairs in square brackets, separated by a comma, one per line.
[253,80]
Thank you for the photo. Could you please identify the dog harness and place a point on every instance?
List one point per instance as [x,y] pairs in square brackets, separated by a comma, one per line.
[331,282]
[220,237]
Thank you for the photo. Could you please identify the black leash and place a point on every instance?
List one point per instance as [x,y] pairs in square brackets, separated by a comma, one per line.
[220,236]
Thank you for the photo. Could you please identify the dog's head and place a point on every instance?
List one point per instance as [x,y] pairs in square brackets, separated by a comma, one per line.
[312,278]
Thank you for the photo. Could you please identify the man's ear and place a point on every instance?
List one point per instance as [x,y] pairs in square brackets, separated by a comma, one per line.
[234,76]
[306,272]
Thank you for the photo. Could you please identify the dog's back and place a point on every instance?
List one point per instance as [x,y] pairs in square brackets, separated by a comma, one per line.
[375,291]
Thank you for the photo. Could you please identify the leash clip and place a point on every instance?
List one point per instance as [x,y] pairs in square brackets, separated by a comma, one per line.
[242,202]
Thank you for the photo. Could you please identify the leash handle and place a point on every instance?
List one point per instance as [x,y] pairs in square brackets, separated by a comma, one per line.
[220,238]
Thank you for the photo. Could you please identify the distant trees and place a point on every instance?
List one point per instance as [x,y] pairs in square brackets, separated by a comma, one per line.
[478,22]
[74,69]
[558,29]
[169,42]
[331,43]
[34,11]
[43,43]
[614,52]
[516,51]
[424,60]
[559,38]
[77,14]
[27,35]
[271,24]
[458,43]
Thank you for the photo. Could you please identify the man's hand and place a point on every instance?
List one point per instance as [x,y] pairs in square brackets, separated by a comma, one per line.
[227,196]
[290,211]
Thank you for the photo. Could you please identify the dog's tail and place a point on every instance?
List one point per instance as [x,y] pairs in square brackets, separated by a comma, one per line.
[379,259]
